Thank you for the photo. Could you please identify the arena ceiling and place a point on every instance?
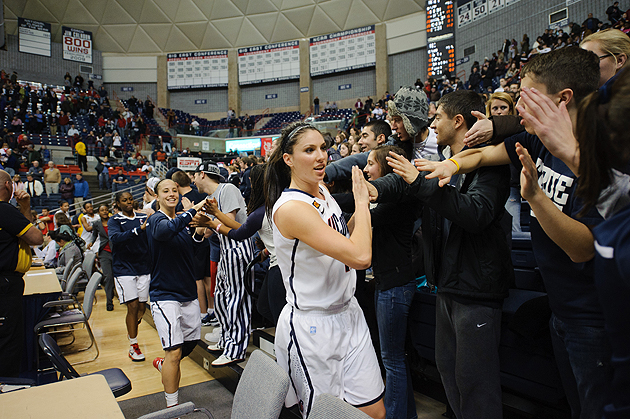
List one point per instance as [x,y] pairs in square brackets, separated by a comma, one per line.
[158,26]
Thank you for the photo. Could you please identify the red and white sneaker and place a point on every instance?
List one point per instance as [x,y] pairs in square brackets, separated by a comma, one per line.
[157,363]
[135,353]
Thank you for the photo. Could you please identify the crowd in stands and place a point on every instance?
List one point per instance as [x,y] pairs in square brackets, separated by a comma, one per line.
[326,209]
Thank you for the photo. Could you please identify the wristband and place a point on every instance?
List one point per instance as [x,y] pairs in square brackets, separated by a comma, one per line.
[218,227]
[456,164]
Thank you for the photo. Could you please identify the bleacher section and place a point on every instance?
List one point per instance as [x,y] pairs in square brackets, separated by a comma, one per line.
[279,121]
[205,125]
[334,114]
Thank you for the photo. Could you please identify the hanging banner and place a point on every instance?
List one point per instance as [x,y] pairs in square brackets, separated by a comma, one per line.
[342,51]
[77,45]
[34,37]
[197,70]
[268,63]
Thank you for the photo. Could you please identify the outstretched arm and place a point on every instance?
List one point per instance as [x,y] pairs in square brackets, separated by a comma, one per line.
[464,162]
[575,238]
[299,220]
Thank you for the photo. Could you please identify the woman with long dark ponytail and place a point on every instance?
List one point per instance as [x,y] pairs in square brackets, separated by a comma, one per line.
[604,143]
[322,339]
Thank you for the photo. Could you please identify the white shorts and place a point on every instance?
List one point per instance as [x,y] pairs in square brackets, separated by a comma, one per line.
[176,322]
[328,352]
[131,287]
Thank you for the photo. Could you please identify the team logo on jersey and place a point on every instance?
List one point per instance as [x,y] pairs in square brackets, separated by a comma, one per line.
[318,206]
[313,330]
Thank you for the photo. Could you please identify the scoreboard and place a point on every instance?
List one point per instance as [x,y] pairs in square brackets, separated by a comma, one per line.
[440,37]
[441,57]
[440,17]
[199,69]
[342,51]
[268,63]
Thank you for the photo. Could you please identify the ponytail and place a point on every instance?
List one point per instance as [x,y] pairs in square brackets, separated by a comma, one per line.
[603,138]
[278,174]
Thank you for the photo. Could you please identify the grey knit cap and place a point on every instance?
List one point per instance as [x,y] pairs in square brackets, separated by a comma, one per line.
[412,106]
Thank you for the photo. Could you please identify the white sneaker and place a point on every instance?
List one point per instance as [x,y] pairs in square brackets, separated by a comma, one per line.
[215,348]
[224,360]
[135,354]
[214,336]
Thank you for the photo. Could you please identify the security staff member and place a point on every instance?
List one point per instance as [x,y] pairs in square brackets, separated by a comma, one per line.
[17,233]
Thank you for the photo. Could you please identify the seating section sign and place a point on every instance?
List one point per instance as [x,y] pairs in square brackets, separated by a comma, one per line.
[197,70]
[269,63]
[77,45]
[34,37]
[342,51]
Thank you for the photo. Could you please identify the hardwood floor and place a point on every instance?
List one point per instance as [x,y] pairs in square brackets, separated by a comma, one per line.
[111,335]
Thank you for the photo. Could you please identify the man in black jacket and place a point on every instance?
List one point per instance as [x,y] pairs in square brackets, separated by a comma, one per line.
[466,257]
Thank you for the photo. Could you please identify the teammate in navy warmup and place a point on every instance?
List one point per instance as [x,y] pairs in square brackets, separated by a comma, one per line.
[131,265]
[322,339]
[173,291]
[202,253]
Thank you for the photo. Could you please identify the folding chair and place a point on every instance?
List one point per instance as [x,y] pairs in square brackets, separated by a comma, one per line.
[118,382]
[74,317]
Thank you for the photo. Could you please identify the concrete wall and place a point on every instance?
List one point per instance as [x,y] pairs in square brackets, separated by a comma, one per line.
[184,100]
[47,70]
[253,96]
[363,84]
[140,90]
[406,67]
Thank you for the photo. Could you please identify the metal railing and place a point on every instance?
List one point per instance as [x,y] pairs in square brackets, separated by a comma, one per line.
[136,190]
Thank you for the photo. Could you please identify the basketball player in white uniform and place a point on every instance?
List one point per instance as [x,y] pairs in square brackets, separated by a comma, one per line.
[322,339]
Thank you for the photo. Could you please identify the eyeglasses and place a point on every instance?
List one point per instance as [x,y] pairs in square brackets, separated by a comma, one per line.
[601,57]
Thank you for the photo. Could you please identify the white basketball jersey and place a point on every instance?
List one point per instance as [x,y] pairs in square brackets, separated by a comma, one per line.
[313,280]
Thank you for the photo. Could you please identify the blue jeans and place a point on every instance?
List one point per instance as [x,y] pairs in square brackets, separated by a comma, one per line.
[392,310]
[103,179]
[583,357]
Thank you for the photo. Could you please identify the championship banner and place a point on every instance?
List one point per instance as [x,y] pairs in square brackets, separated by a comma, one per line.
[188,163]
[77,45]
[342,51]
[197,70]
[34,37]
[269,63]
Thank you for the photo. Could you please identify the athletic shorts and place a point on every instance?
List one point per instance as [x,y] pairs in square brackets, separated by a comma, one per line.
[328,352]
[131,287]
[176,322]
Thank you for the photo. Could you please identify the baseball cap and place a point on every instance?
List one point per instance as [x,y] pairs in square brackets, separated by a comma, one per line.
[209,167]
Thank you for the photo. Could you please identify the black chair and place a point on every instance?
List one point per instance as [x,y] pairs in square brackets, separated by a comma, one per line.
[118,382]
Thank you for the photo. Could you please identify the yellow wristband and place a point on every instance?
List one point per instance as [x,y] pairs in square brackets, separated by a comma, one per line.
[456,164]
